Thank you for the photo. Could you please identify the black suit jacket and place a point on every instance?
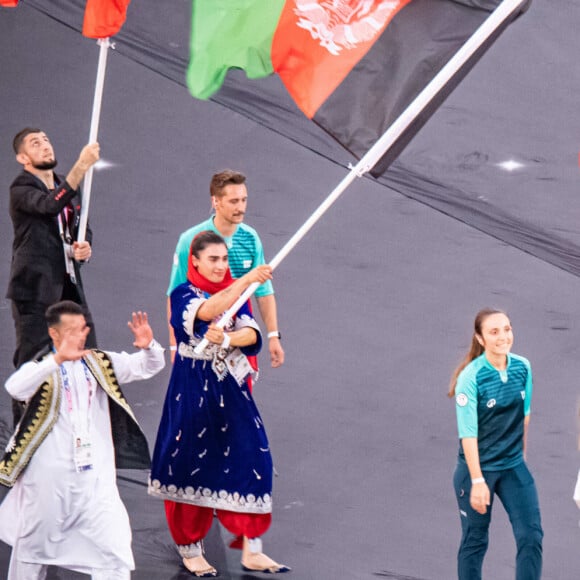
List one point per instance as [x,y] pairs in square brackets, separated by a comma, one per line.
[38,269]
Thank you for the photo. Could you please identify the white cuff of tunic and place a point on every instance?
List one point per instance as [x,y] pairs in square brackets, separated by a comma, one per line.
[153,344]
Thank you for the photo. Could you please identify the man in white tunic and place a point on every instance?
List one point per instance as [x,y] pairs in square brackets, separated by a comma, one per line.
[64,507]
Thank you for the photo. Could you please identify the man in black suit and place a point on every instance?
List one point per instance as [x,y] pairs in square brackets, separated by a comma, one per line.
[45,212]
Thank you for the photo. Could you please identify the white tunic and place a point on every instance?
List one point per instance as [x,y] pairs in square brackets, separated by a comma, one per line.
[54,514]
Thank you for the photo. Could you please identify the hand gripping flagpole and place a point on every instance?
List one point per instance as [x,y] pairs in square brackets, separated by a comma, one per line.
[504,11]
[97,102]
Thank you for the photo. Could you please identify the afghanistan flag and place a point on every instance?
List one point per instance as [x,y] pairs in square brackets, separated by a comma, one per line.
[352,66]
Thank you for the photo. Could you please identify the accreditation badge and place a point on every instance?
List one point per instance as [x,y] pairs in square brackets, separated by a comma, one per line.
[238,366]
[82,453]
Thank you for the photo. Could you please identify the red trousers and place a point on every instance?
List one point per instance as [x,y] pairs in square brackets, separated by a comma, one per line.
[189,524]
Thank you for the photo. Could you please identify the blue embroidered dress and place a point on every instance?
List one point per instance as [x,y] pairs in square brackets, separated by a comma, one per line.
[212,449]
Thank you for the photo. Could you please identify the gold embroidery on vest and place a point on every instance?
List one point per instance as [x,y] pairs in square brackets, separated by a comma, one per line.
[101,367]
[26,443]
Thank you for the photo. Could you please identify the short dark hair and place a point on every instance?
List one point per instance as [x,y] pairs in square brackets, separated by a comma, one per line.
[21,135]
[224,178]
[203,240]
[53,313]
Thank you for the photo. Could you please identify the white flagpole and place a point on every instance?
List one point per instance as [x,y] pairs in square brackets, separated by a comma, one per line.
[97,101]
[389,138]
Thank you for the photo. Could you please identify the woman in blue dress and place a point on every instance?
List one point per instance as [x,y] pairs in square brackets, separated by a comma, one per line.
[212,452]
[493,391]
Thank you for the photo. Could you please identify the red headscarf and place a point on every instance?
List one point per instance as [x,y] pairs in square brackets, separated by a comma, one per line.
[202,282]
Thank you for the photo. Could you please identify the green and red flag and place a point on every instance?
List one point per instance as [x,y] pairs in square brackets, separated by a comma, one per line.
[352,66]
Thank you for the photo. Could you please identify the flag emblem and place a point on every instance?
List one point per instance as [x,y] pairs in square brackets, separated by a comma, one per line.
[341,24]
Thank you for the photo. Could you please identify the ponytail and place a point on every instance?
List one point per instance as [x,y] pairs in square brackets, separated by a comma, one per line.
[475,350]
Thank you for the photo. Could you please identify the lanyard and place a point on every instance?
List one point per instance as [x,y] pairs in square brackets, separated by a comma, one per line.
[64,218]
[69,397]
[65,234]
[64,228]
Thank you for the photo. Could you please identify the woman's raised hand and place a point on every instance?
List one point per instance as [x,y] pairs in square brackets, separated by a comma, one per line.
[260,274]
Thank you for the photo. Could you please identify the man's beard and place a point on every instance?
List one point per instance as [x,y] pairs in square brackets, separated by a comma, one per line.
[46,165]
